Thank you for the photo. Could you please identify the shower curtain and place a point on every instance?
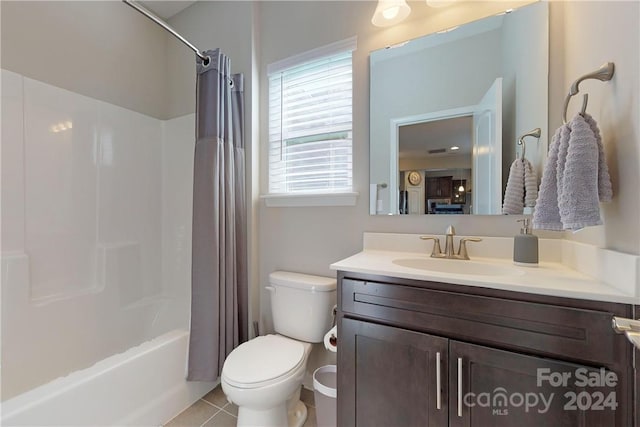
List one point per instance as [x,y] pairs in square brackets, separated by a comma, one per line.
[219,288]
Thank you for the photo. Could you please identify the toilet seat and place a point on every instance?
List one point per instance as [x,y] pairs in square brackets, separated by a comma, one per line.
[263,361]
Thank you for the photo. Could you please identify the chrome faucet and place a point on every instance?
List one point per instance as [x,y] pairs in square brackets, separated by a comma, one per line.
[449,246]
[448,243]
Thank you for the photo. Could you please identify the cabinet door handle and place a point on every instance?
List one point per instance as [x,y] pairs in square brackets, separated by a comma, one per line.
[438,382]
[459,386]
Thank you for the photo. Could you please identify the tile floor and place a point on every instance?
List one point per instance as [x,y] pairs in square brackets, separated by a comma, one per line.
[213,410]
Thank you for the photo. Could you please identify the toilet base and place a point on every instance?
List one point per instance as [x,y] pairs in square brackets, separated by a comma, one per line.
[297,414]
[278,416]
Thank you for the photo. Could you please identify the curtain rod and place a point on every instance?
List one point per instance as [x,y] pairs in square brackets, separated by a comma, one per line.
[154,18]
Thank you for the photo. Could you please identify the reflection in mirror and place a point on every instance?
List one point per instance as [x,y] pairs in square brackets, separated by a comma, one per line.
[476,87]
[442,161]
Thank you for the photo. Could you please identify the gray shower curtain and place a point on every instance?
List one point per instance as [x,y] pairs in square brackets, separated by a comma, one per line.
[219,288]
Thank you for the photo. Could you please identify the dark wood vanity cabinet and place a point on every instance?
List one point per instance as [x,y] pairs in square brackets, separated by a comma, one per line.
[415,353]
[500,388]
[399,364]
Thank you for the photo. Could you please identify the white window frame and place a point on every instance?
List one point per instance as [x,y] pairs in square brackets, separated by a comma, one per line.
[311,199]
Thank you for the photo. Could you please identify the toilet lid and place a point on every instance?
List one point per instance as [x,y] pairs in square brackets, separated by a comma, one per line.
[262,359]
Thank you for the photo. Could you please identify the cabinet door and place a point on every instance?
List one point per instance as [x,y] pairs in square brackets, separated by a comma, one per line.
[390,377]
[445,186]
[433,186]
[490,387]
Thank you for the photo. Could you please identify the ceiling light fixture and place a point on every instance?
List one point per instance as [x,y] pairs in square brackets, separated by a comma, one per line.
[454,148]
[390,12]
[461,186]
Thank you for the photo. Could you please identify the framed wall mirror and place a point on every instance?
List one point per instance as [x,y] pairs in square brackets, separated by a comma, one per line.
[447,109]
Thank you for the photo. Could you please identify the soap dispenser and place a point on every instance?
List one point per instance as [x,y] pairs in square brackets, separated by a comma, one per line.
[525,246]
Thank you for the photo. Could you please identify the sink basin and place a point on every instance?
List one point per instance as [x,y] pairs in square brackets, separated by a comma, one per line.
[453,266]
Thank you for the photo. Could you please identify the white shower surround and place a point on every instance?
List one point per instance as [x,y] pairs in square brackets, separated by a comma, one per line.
[96,234]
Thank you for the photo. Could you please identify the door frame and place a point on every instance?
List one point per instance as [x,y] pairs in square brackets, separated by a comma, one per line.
[466,111]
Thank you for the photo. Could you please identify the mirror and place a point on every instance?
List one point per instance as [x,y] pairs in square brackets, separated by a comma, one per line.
[447,109]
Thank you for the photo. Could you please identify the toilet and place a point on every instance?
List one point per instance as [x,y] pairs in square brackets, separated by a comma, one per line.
[263,376]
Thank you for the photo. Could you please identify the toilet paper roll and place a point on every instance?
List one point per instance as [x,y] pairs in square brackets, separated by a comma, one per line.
[331,339]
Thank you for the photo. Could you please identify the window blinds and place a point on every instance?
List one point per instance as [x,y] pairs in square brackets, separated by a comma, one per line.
[310,126]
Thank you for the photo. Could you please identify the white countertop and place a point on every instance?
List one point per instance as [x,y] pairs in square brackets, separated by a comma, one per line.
[549,278]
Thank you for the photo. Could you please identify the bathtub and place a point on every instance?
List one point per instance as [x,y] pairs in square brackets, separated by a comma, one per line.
[143,386]
[95,266]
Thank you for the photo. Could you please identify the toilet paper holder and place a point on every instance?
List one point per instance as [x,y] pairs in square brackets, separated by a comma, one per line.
[331,339]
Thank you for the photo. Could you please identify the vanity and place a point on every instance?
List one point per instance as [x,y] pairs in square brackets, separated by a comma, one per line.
[426,342]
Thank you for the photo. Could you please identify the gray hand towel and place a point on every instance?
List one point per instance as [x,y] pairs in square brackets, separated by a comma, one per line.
[530,184]
[547,215]
[605,193]
[575,179]
[522,188]
[514,192]
[578,178]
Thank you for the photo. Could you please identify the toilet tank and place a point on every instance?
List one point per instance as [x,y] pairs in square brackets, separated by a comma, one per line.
[302,305]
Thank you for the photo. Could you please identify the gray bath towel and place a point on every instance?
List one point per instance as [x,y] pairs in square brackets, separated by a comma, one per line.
[547,215]
[579,185]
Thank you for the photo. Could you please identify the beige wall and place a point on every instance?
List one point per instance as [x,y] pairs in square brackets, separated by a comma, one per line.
[101,49]
[585,35]
[208,25]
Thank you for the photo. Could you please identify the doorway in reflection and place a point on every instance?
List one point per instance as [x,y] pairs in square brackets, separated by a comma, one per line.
[434,163]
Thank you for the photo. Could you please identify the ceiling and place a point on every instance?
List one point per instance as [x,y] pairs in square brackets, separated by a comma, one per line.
[166,9]
[418,139]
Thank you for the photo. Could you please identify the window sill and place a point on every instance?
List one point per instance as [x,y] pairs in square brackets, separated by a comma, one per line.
[304,200]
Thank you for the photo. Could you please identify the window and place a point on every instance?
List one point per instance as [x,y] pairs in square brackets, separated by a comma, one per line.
[310,122]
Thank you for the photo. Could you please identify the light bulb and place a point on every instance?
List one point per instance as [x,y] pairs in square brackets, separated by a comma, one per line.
[391,12]
[461,188]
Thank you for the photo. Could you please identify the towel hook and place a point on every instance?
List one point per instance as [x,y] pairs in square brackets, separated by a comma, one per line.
[535,133]
[604,73]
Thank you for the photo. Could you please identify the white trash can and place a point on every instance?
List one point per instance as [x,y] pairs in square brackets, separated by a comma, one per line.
[325,386]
